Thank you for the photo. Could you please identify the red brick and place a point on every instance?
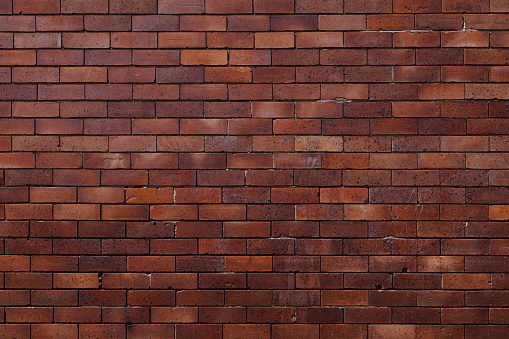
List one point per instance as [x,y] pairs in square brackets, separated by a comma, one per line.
[28,211]
[343,330]
[203,23]
[344,91]
[250,92]
[228,74]
[174,315]
[250,57]
[319,73]
[227,110]
[103,330]
[80,6]
[293,23]
[107,22]
[464,39]
[37,40]
[76,212]
[467,6]
[365,74]
[230,40]
[367,315]
[222,7]
[83,74]
[341,22]
[181,40]
[464,74]
[154,57]
[371,6]
[392,331]
[45,331]
[155,23]
[278,6]
[133,40]
[17,23]
[77,314]
[390,22]
[464,315]
[248,23]
[368,39]
[433,6]
[231,331]
[204,92]
[28,314]
[29,7]
[289,57]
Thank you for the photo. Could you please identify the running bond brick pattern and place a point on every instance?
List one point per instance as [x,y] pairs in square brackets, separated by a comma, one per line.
[254,169]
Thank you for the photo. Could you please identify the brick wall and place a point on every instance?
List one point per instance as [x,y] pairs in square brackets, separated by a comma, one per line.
[254,168]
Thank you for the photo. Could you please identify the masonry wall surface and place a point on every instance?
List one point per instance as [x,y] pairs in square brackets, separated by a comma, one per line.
[254,169]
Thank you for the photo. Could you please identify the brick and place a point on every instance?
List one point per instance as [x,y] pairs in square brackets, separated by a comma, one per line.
[464,316]
[230,40]
[28,314]
[424,39]
[319,6]
[86,40]
[319,73]
[367,315]
[485,21]
[29,7]
[61,92]
[293,23]
[76,212]
[250,92]
[231,331]
[367,39]
[368,7]
[274,40]
[17,23]
[146,7]
[464,39]
[465,6]
[464,74]
[390,22]
[341,22]
[339,330]
[48,330]
[204,92]
[107,23]
[155,23]
[133,40]
[230,74]
[250,57]
[203,23]
[248,23]
[107,57]
[181,40]
[80,6]
[391,57]
[181,7]
[37,40]
[18,92]
[392,331]
[77,315]
[244,6]
[278,6]
[153,57]
[295,57]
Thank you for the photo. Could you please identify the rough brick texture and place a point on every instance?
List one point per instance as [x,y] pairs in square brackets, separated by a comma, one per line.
[254,169]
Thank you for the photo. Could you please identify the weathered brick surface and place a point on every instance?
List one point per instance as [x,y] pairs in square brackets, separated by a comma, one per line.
[254,168]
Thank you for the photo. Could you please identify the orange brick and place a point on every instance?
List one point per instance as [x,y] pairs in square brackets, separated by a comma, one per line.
[274,40]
